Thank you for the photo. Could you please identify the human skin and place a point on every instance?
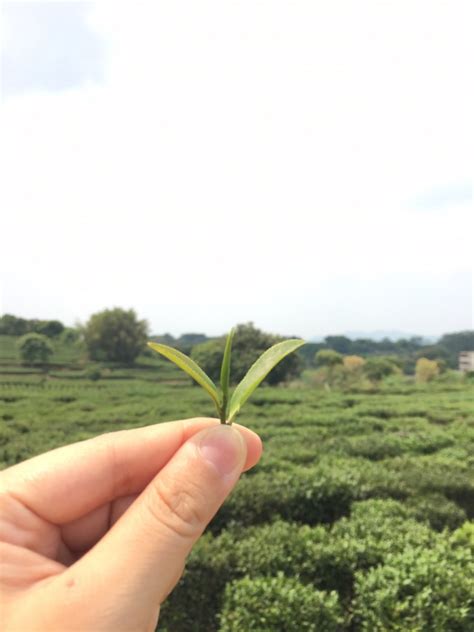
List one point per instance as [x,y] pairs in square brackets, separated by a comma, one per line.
[94,535]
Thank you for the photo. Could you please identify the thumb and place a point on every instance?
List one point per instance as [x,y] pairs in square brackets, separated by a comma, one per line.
[143,554]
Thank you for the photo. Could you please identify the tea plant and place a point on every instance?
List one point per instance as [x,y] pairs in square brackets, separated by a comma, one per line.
[228,408]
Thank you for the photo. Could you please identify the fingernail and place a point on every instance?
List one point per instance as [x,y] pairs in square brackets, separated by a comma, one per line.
[225,448]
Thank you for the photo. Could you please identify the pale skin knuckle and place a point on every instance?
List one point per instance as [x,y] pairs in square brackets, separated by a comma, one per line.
[177,509]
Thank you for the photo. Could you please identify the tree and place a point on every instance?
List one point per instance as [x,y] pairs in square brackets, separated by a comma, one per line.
[342,344]
[433,352]
[187,341]
[70,336]
[13,326]
[379,367]
[329,358]
[34,349]
[115,335]
[353,363]
[426,370]
[456,342]
[209,357]
[459,341]
[249,342]
[50,328]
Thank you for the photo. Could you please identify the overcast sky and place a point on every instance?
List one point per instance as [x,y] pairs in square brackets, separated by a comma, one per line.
[304,165]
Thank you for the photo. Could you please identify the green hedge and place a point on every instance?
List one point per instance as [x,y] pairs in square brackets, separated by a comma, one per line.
[311,496]
[420,589]
[437,490]
[377,528]
[279,603]
[194,604]
[437,510]
[325,558]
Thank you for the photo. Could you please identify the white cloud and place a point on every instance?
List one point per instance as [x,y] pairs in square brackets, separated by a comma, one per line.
[267,147]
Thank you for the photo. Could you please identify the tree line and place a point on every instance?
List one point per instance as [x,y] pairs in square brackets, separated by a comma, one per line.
[118,335]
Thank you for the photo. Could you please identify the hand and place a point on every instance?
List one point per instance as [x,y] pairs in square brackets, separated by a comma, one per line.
[94,536]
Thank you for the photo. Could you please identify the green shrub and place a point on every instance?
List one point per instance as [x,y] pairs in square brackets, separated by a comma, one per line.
[376,368]
[34,349]
[311,554]
[435,474]
[396,444]
[329,358]
[326,559]
[197,599]
[436,509]
[464,536]
[92,373]
[311,496]
[375,529]
[419,589]
[276,604]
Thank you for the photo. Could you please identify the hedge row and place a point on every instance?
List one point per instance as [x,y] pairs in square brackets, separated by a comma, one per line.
[325,559]
[420,589]
[276,604]
[437,491]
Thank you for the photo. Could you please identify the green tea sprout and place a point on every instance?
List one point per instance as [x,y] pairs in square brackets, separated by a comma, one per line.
[228,408]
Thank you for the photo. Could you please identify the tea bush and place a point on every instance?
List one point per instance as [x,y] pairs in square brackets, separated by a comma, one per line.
[325,558]
[437,510]
[418,589]
[279,603]
[311,496]
[354,489]
[377,528]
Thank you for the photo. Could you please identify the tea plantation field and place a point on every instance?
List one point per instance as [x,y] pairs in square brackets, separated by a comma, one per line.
[358,517]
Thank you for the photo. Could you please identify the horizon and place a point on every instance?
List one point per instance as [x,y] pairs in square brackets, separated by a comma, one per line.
[298,167]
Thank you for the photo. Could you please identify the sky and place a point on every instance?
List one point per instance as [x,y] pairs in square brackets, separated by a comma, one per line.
[303,165]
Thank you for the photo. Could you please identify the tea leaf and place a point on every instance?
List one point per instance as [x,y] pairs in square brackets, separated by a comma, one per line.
[225,375]
[258,372]
[191,368]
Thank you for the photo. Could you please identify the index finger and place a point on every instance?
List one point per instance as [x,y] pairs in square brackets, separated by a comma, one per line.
[69,482]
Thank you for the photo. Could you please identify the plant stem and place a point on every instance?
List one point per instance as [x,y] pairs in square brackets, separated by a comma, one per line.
[223,409]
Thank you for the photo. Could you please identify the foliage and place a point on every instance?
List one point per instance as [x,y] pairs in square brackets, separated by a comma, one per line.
[459,341]
[187,341]
[278,603]
[249,343]
[329,358]
[308,495]
[426,370]
[70,336]
[419,589]
[353,363]
[433,352]
[377,368]
[184,343]
[50,328]
[341,344]
[93,373]
[228,406]
[34,349]
[14,326]
[115,335]
[349,482]
[208,355]
[456,342]
[437,510]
